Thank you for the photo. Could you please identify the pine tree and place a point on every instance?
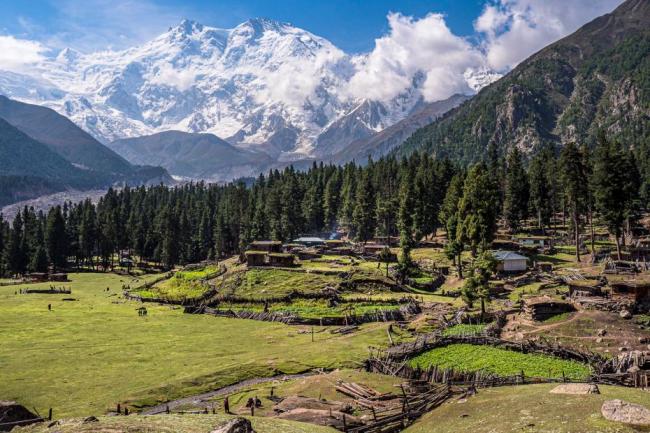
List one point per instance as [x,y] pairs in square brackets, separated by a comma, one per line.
[363,217]
[406,224]
[448,217]
[331,200]
[39,262]
[477,210]
[615,186]
[291,216]
[56,238]
[15,254]
[515,204]
[574,185]
[540,190]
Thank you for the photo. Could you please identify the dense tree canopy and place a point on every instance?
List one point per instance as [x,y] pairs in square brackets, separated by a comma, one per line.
[411,197]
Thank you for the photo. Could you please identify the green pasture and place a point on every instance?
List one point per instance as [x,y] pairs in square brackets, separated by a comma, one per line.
[84,356]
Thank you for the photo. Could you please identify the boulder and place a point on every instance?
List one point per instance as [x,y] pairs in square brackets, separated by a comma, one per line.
[12,414]
[322,417]
[298,402]
[625,314]
[602,332]
[628,413]
[576,389]
[237,425]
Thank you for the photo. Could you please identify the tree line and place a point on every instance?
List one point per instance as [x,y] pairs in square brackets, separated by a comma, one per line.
[410,197]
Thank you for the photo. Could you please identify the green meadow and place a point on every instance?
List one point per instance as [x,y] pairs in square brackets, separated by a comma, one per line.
[85,356]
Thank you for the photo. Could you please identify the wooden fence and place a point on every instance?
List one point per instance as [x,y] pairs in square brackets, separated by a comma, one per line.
[616,371]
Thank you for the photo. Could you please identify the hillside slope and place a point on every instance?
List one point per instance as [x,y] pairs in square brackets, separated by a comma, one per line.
[29,168]
[198,156]
[598,77]
[62,136]
[384,141]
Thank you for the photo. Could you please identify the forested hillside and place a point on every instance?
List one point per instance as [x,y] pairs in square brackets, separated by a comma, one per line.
[597,78]
[411,197]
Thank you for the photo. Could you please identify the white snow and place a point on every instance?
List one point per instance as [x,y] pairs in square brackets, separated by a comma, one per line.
[250,85]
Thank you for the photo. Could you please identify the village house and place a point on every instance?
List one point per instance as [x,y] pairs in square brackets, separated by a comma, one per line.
[533,241]
[255,258]
[309,241]
[267,246]
[281,259]
[373,249]
[634,290]
[509,261]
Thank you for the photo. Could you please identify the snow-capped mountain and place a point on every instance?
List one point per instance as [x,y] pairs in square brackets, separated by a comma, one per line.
[263,85]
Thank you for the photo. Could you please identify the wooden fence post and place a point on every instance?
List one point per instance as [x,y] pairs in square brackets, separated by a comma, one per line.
[49,415]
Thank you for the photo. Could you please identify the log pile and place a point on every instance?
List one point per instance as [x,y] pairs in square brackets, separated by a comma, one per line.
[393,412]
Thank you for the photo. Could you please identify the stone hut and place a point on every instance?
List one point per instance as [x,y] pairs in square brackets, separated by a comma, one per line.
[634,290]
[579,288]
[373,249]
[544,307]
[281,259]
[267,246]
[256,258]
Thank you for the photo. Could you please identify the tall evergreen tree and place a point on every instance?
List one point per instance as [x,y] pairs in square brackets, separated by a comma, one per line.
[615,186]
[56,238]
[477,210]
[515,204]
[574,185]
[540,190]
[363,217]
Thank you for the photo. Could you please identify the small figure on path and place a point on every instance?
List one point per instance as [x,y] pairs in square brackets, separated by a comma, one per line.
[258,402]
[49,307]
[226,405]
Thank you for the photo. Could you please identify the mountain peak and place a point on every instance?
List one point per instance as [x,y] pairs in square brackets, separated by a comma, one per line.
[68,55]
[186,27]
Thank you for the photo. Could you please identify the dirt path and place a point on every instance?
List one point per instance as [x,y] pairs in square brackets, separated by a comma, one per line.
[201,400]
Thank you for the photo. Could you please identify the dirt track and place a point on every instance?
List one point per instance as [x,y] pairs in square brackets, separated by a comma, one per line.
[201,400]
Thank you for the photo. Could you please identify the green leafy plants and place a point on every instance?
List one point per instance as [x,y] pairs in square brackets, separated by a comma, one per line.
[468,357]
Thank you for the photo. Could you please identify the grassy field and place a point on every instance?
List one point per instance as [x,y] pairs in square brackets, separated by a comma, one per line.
[84,356]
[467,357]
[184,284]
[173,424]
[317,308]
[528,409]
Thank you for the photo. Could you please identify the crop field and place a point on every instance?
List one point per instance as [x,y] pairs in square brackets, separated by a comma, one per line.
[84,356]
[530,409]
[464,329]
[467,357]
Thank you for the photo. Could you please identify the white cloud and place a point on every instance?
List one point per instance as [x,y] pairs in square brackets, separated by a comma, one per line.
[181,79]
[296,81]
[425,46]
[515,29]
[17,55]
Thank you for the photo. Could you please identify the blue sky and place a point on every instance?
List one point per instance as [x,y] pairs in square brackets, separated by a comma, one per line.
[442,38]
[352,25]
